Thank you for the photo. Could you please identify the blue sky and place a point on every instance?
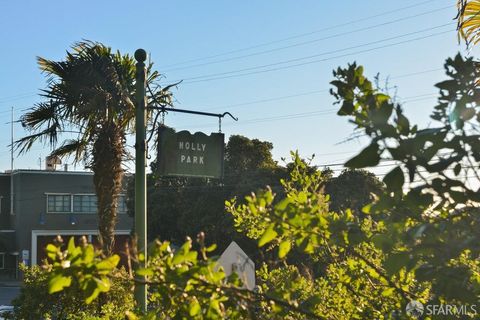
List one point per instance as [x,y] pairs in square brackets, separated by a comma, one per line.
[286,49]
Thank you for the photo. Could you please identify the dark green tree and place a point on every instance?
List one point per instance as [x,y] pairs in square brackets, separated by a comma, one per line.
[247,155]
[353,189]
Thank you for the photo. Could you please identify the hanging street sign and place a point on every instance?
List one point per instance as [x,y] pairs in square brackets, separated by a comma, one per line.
[190,155]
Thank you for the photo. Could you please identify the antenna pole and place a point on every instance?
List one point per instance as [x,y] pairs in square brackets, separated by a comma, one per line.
[11,166]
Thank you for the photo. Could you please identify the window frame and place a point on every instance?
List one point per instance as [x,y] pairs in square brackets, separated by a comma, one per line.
[83,212]
[71,206]
[58,194]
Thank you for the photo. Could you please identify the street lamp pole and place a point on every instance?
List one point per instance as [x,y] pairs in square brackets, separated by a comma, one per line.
[140,177]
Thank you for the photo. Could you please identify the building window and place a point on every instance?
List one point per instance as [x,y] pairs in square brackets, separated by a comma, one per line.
[84,203]
[122,204]
[58,203]
[2,260]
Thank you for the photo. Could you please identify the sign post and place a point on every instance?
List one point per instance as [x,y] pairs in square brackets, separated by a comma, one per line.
[195,155]
[140,177]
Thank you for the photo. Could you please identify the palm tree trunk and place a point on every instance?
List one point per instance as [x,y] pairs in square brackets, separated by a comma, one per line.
[108,173]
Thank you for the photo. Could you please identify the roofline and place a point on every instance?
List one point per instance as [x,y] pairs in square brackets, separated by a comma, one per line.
[36,171]
[32,171]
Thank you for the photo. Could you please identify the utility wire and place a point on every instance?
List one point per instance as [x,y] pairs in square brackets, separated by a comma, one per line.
[226,106]
[266,100]
[294,95]
[218,76]
[17,97]
[298,115]
[368,18]
[309,41]
[416,73]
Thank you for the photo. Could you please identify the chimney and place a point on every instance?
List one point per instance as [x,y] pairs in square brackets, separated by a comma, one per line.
[52,162]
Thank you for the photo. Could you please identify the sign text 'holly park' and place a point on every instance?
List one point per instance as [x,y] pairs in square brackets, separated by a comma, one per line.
[184,158]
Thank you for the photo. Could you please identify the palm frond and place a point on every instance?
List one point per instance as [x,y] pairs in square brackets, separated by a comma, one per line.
[49,135]
[44,113]
[468,21]
[68,147]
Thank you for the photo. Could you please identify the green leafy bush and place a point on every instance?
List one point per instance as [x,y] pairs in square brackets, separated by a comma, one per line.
[37,301]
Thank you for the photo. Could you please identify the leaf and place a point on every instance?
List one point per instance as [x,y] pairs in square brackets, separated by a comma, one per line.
[88,254]
[71,245]
[394,180]
[268,235]
[457,169]
[302,197]
[92,296]
[284,248]
[194,308]
[144,272]
[458,196]
[395,261]
[51,251]
[442,164]
[131,316]
[211,248]
[366,209]
[103,284]
[306,245]
[346,109]
[58,282]
[388,292]
[447,85]
[403,124]
[178,258]
[368,157]
[383,241]
[108,263]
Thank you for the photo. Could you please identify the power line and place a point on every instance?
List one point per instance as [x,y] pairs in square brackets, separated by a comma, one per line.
[227,106]
[266,100]
[309,41]
[416,73]
[318,54]
[302,34]
[17,97]
[297,115]
[334,153]
[213,77]
[287,96]
[406,75]
[418,97]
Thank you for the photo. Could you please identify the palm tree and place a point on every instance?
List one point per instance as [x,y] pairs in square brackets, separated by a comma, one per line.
[468,20]
[89,97]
